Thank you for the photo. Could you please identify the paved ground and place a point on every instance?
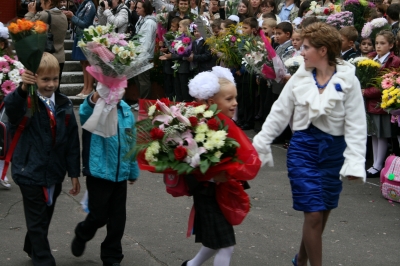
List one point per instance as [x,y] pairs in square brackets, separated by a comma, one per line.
[364,230]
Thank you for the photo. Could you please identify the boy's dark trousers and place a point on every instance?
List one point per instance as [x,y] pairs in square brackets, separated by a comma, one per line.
[181,82]
[246,99]
[38,216]
[107,206]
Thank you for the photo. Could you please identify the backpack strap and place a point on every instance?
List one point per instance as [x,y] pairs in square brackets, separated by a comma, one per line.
[16,137]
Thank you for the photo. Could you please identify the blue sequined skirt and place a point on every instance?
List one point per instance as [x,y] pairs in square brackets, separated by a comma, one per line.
[314,160]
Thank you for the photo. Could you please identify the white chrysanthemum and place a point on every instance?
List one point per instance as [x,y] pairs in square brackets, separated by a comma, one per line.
[123,54]
[218,138]
[201,128]
[200,109]
[149,156]
[218,154]
[356,60]
[18,65]
[208,114]
[116,49]
[13,74]
[223,72]
[200,137]
[204,85]
[154,147]
[81,43]
[379,22]
[209,145]
[152,109]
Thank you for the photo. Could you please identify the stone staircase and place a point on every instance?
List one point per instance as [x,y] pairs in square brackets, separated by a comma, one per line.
[72,77]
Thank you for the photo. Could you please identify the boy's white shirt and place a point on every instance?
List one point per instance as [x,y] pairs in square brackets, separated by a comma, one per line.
[338,113]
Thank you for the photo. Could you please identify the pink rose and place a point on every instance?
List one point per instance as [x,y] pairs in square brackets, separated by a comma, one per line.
[186,40]
[181,50]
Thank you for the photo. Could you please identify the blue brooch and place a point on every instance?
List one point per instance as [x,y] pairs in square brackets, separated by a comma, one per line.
[338,87]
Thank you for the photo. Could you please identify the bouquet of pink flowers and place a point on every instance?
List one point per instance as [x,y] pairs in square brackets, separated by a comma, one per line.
[340,20]
[10,74]
[182,45]
[113,61]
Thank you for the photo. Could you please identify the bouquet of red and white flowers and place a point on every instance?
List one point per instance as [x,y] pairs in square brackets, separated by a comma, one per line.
[10,74]
[183,137]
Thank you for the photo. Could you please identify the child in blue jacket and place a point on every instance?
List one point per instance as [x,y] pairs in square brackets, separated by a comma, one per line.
[107,169]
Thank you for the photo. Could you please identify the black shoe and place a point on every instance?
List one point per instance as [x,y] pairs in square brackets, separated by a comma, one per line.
[246,127]
[370,175]
[77,247]
[184,263]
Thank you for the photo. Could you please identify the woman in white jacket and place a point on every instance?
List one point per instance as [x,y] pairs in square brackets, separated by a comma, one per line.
[324,105]
[117,15]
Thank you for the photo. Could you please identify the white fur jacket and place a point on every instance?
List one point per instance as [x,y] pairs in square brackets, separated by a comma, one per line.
[338,111]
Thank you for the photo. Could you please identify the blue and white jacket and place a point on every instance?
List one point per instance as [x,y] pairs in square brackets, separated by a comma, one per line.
[107,158]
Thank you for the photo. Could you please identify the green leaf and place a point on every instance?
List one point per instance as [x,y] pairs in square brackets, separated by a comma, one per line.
[214,159]
[204,165]
[213,108]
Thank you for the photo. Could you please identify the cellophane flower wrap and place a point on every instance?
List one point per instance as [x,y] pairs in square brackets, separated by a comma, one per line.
[10,74]
[341,19]
[256,59]
[366,70]
[29,40]
[226,46]
[162,23]
[360,9]
[113,61]
[292,64]
[186,138]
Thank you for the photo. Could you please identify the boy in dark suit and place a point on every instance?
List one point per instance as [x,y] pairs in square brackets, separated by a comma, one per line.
[201,58]
[349,37]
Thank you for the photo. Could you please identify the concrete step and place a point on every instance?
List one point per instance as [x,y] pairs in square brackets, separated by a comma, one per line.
[71,66]
[68,44]
[72,77]
[71,89]
[68,55]
[76,100]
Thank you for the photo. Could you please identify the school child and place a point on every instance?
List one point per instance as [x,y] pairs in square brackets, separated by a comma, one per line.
[211,228]
[384,42]
[201,58]
[367,47]
[246,84]
[47,149]
[167,64]
[349,36]
[106,182]
[297,42]
[283,35]
[216,26]
[181,79]
[225,24]
[268,27]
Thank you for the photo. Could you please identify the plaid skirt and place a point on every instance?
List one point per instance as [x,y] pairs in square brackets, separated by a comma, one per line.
[210,226]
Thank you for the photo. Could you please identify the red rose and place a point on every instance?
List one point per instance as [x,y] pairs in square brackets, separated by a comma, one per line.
[180,153]
[156,133]
[326,11]
[213,124]
[193,121]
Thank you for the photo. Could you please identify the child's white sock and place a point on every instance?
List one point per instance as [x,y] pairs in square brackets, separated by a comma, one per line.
[202,256]
[223,257]
[381,149]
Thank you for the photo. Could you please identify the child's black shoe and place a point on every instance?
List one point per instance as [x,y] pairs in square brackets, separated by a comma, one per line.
[77,247]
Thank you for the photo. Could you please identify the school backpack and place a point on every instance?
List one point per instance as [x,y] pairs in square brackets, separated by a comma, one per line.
[390,178]
[176,185]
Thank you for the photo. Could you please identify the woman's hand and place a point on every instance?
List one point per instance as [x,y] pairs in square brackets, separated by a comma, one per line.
[68,14]
[106,6]
[32,7]
[165,57]
[28,78]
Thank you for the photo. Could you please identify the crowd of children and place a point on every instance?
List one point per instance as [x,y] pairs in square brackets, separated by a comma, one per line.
[58,142]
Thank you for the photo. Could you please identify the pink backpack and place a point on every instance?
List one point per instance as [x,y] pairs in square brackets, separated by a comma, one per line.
[390,178]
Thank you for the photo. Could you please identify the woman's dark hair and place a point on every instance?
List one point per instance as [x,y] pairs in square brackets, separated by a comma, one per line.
[148,7]
[249,12]
[270,3]
[303,7]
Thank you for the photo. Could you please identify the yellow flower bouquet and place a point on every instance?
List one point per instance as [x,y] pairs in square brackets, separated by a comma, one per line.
[390,99]
[366,70]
